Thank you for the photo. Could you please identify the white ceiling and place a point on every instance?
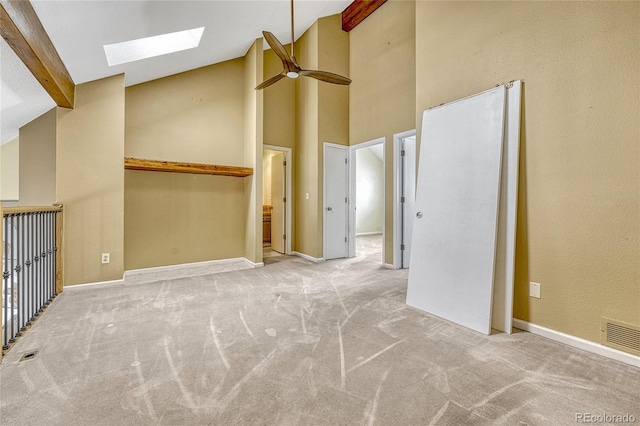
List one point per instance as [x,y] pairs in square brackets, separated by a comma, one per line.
[79,29]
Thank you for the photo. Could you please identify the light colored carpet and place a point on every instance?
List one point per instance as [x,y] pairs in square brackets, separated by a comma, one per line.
[292,343]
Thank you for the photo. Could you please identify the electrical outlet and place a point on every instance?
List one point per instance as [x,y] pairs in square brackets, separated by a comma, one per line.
[306,196]
[105,257]
[534,290]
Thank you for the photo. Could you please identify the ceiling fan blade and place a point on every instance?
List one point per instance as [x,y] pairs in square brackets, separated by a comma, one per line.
[329,77]
[279,50]
[270,81]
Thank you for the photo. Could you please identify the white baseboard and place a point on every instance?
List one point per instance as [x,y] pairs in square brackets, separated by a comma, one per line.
[181,266]
[111,283]
[307,257]
[388,266]
[358,234]
[577,342]
[184,270]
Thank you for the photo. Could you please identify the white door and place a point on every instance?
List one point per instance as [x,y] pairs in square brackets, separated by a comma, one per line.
[278,201]
[335,201]
[408,196]
[454,234]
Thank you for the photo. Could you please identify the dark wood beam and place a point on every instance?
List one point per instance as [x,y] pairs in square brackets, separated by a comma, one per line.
[23,31]
[358,11]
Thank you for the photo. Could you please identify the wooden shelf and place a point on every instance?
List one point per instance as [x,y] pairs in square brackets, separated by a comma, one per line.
[195,168]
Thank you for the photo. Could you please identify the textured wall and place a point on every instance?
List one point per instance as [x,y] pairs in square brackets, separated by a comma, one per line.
[253,136]
[90,180]
[10,170]
[382,95]
[38,161]
[322,115]
[308,229]
[196,116]
[578,214]
[279,104]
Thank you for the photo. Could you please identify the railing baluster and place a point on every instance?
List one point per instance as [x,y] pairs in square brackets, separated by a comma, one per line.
[29,312]
[29,267]
[5,281]
[9,308]
[23,280]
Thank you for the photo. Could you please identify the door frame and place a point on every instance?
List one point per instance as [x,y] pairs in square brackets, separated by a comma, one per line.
[324,196]
[397,190]
[288,191]
[352,193]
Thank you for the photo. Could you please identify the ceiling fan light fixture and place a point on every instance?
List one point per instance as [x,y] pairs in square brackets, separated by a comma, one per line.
[292,74]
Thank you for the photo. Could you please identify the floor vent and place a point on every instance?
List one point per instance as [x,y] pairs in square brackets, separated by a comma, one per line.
[620,335]
[28,356]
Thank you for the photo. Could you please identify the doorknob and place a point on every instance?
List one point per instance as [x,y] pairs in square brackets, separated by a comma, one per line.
[329,209]
[419,215]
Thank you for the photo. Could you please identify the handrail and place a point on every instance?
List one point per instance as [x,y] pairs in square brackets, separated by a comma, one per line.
[34,209]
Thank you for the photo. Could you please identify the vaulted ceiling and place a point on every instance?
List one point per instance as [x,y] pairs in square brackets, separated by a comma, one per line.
[80,29]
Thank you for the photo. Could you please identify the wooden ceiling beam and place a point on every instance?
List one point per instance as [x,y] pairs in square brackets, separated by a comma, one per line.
[358,11]
[22,30]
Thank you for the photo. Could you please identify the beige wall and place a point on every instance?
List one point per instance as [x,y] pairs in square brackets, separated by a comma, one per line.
[333,99]
[279,104]
[382,94]
[253,136]
[280,117]
[174,218]
[38,161]
[196,116]
[10,170]
[322,115]
[90,180]
[308,230]
[578,214]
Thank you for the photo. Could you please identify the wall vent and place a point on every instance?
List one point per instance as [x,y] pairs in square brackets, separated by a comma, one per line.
[620,335]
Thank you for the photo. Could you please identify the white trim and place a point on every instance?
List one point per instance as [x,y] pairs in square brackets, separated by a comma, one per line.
[388,266]
[111,283]
[352,193]
[358,234]
[158,270]
[307,257]
[577,342]
[397,223]
[288,188]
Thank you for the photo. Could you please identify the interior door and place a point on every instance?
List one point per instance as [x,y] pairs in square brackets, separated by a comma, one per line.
[278,201]
[408,186]
[335,202]
[454,235]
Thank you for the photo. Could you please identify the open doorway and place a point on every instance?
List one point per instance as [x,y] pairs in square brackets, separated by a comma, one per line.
[367,213]
[276,199]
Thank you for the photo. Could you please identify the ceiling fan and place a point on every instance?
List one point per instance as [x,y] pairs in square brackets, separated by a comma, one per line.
[290,66]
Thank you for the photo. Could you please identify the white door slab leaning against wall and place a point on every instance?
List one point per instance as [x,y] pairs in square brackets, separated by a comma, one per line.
[335,222]
[465,206]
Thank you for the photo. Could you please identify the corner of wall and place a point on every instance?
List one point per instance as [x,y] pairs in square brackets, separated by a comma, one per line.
[253,143]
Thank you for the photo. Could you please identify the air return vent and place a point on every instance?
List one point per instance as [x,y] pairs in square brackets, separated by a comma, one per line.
[620,335]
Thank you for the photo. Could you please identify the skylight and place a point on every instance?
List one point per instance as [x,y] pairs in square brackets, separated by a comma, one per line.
[148,47]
